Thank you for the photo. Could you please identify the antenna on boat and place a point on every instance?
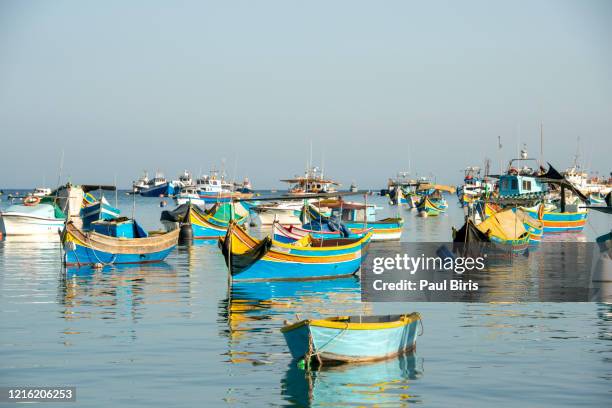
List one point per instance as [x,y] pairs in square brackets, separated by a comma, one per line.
[61,169]
[499,149]
[541,143]
[116,199]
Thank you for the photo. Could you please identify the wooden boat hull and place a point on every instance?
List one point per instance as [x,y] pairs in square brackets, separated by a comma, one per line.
[86,248]
[384,230]
[557,222]
[343,342]
[430,208]
[290,262]
[294,233]
[204,226]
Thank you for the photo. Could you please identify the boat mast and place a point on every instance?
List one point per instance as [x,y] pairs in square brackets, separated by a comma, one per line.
[541,144]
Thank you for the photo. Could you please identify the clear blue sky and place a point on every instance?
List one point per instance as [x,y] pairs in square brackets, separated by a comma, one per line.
[125,86]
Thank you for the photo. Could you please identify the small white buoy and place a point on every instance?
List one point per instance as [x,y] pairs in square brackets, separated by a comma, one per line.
[163,203]
[97,265]
[423,214]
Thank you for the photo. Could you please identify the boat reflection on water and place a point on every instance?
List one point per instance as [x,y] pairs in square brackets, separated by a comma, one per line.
[386,383]
[117,290]
[255,311]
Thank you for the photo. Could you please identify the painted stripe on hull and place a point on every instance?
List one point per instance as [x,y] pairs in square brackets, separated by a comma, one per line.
[86,256]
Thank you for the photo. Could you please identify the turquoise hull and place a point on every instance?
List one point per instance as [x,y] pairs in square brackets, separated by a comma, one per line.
[83,255]
[351,345]
[265,269]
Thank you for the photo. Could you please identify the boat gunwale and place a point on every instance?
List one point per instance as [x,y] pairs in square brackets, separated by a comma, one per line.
[339,322]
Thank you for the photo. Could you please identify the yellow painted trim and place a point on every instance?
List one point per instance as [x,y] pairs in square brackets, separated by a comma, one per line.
[340,323]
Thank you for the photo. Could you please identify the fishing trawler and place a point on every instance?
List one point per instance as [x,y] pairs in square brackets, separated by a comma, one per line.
[141,183]
[529,187]
[41,192]
[474,186]
[158,186]
[312,182]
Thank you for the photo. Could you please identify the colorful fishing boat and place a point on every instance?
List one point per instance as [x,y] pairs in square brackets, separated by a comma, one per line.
[201,223]
[357,217]
[559,222]
[596,199]
[352,339]
[251,259]
[507,228]
[528,188]
[95,210]
[427,207]
[293,233]
[534,226]
[122,241]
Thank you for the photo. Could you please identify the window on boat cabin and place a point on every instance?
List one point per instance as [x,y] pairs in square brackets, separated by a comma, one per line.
[514,184]
[505,184]
[527,185]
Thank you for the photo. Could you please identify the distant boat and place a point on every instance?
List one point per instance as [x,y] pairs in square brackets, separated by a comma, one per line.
[357,216]
[203,224]
[41,192]
[312,182]
[324,230]
[188,195]
[158,186]
[353,188]
[119,241]
[141,184]
[429,208]
[352,339]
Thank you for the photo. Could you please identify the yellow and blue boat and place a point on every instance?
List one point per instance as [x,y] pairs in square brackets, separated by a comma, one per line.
[505,227]
[351,339]
[114,242]
[258,260]
[429,207]
[534,226]
[324,230]
[357,217]
[204,224]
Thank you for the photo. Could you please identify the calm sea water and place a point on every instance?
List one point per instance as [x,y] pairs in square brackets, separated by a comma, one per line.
[172,335]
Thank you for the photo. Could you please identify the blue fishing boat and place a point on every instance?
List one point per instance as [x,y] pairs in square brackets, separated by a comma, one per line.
[252,259]
[165,189]
[203,224]
[357,217]
[350,339]
[158,186]
[119,241]
[523,186]
[322,230]
[97,210]
[429,207]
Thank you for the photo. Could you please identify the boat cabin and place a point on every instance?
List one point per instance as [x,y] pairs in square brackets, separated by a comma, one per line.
[521,178]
